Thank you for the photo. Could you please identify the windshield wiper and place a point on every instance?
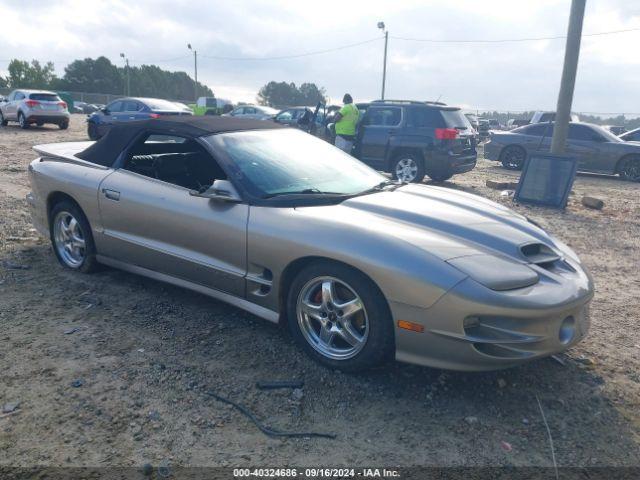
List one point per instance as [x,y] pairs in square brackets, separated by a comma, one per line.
[381,186]
[306,191]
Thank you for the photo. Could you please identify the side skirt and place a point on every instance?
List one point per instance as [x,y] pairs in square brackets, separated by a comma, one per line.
[257,310]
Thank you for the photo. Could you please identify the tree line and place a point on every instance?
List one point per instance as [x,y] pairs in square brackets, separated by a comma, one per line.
[101,76]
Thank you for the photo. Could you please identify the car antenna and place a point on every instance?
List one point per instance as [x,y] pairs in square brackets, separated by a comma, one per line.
[438,99]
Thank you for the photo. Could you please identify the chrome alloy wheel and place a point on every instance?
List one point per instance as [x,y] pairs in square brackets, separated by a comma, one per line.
[406,170]
[69,239]
[332,318]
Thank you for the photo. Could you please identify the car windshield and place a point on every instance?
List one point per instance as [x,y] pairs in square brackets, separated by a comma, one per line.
[285,162]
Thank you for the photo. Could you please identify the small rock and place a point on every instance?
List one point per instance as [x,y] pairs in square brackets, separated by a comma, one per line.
[502,382]
[77,383]
[10,407]
[9,265]
[506,446]
[525,421]
[147,469]
[154,415]
[592,202]
[71,330]
[471,420]
[297,394]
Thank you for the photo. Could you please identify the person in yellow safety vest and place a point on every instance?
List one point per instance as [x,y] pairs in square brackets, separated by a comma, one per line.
[345,124]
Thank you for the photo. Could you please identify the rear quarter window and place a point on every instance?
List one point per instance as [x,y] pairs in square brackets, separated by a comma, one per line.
[384,116]
[425,117]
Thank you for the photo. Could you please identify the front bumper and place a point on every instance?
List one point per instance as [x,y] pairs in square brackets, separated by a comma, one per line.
[38,215]
[492,151]
[472,328]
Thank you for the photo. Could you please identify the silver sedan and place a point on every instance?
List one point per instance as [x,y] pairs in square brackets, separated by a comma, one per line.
[291,229]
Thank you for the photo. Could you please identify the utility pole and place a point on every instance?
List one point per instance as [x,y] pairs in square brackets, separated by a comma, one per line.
[127,91]
[567,84]
[195,69]
[381,26]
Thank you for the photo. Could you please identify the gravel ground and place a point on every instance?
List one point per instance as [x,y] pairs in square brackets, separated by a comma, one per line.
[113,369]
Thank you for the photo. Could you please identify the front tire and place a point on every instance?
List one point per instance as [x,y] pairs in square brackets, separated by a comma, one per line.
[92,131]
[513,157]
[408,168]
[630,169]
[22,121]
[71,237]
[3,121]
[339,317]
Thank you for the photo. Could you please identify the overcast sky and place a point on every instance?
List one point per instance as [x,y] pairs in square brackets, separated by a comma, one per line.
[504,76]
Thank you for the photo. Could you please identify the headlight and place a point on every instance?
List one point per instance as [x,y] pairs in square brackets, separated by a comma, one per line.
[495,273]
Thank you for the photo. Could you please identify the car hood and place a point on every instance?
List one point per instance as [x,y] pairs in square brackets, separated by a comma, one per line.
[444,222]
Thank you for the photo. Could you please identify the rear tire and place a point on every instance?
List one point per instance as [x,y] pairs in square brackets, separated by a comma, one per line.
[71,237]
[63,125]
[439,177]
[513,157]
[630,168]
[22,121]
[350,328]
[408,167]
[39,124]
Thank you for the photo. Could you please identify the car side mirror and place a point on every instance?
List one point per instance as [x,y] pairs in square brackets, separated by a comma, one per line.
[105,110]
[221,190]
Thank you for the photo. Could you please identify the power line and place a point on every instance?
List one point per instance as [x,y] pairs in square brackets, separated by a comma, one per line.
[509,40]
[298,55]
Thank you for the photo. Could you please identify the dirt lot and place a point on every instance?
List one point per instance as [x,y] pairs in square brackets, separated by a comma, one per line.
[142,354]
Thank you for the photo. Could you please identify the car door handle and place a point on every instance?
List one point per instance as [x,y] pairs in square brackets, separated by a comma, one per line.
[111,194]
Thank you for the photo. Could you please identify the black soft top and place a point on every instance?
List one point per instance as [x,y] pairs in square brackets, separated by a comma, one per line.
[106,150]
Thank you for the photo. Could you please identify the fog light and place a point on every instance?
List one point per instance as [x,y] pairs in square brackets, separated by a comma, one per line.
[567,330]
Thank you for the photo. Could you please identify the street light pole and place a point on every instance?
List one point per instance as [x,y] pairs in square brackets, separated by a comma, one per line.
[381,26]
[195,68]
[128,85]
[568,82]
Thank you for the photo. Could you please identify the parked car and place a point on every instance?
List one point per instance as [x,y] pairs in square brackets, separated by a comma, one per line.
[412,139]
[631,136]
[129,110]
[596,149]
[211,106]
[86,108]
[284,225]
[483,128]
[541,117]
[617,130]
[256,112]
[516,122]
[34,106]
[312,120]
[494,124]
[473,120]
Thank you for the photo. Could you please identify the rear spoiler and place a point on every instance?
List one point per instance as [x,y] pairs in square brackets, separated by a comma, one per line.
[65,152]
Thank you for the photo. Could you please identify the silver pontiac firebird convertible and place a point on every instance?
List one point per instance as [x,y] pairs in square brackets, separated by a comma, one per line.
[291,229]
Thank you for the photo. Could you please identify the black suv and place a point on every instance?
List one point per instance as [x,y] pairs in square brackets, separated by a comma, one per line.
[412,139]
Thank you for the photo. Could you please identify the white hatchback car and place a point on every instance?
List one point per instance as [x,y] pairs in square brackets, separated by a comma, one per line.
[34,106]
